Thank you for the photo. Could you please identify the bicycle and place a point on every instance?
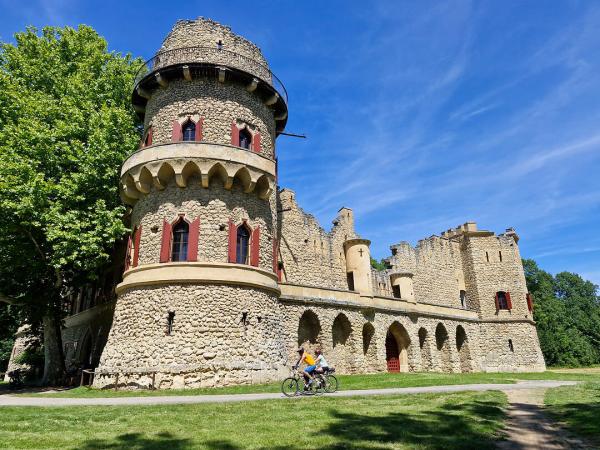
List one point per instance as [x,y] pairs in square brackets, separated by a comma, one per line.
[296,384]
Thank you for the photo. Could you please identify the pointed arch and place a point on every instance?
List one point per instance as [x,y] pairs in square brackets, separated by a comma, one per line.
[397,345]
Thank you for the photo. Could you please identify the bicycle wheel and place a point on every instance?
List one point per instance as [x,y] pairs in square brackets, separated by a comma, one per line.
[289,387]
[331,385]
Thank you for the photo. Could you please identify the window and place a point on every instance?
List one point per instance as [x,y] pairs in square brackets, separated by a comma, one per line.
[510,346]
[487,257]
[394,252]
[245,139]
[170,320]
[350,278]
[219,44]
[500,256]
[179,249]
[502,300]
[242,245]
[396,291]
[463,299]
[189,131]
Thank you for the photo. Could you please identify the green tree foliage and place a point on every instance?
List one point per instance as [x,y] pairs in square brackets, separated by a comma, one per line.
[66,125]
[379,265]
[9,321]
[567,312]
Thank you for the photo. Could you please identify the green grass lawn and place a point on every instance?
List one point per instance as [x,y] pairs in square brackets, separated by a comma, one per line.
[578,407]
[375,381]
[453,421]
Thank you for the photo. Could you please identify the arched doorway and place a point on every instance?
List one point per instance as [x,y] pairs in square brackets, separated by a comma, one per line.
[441,341]
[462,346]
[425,350]
[342,354]
[396,348]
[309,331]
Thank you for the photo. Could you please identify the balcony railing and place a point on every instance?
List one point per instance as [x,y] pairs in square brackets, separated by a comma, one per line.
[211,55]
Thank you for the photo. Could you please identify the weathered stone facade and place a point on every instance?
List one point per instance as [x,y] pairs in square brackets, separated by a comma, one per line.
[236,306]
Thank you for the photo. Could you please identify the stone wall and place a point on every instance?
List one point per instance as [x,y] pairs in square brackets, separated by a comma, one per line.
[212,342]
[436,264]
[214,206]
[312,256]
[492,264]
[218,104]
[23,340]
[85,335]
[362,347]
[206,33]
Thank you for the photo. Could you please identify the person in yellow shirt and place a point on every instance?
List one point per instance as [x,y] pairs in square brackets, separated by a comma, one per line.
[306,358]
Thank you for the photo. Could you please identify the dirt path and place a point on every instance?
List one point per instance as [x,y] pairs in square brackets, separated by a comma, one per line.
[528,427]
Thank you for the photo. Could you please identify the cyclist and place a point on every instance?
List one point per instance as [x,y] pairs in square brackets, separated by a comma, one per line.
[304,356]
[321,362]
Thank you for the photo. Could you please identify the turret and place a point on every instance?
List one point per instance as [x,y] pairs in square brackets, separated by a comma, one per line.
[202,191]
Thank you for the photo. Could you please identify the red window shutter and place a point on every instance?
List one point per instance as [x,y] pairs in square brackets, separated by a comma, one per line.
[529,302]
[275,255]
[497,302]
[149,137]
[128,254]
[508,301]
[165,246]
[193,238]
[256,143]
[137,236]
[232,242]
[199,125]
[235,135]
[176,137]
[255,247]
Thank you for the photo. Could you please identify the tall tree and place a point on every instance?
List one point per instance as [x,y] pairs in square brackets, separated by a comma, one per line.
[66,125]
[567,312]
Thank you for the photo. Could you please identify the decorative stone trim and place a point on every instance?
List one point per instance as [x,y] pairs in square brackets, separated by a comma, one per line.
[199,273]
[156,166]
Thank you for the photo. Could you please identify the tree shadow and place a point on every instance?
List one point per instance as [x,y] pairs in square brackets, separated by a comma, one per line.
[467,426]
[138,441]
[581,419]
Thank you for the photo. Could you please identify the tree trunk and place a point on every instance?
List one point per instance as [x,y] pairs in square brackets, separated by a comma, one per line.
[54,363]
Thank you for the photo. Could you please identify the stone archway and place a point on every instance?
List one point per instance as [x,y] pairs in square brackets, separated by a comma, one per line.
[342,354]
[309,331]
[369,347]
[397,343]
[425,350]
[462,347]
[443,347]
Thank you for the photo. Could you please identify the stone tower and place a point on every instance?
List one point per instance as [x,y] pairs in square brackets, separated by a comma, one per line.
[198,305]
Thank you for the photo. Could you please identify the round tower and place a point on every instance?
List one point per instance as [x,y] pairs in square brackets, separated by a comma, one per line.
[198,305]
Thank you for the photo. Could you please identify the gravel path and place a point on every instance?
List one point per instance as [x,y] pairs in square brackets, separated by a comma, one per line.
[13,400]
[528,427]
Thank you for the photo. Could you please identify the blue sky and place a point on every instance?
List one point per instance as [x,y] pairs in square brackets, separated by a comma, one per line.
[420,115]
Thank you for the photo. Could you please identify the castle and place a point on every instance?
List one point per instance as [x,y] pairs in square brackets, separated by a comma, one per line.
[225,274]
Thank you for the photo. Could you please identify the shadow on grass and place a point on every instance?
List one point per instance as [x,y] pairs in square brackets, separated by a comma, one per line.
[467,426]
[137,441]
[582,419]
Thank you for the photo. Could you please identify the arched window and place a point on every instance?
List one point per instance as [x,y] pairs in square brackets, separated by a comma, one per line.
[179,250]
[245,139]
[463,298]
[189,131]
[242,245]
